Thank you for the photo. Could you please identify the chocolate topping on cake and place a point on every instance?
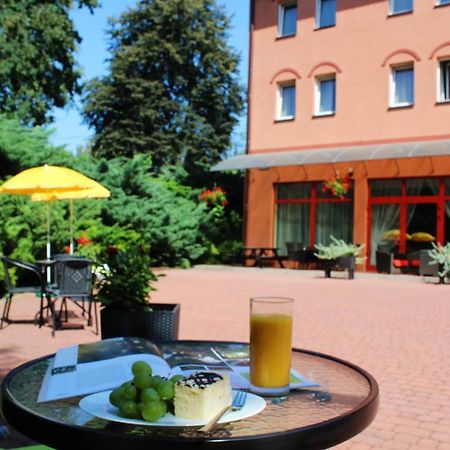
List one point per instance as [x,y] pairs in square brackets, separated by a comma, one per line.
[200,380]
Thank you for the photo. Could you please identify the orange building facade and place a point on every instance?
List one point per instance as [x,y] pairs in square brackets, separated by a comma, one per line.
[356,90]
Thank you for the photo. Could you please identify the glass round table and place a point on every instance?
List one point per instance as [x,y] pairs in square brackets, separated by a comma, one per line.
[343,403]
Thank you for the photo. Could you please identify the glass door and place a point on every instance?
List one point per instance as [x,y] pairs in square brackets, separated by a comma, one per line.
[421,227]
[385,233]
[407,216]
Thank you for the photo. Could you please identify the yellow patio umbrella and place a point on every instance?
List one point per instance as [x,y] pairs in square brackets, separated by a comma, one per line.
[47,180]
[98,191]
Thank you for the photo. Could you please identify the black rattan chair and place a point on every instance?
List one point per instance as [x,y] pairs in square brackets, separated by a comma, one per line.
[391,262]
[293,250]
[57,267]
[28,278]
[74,282]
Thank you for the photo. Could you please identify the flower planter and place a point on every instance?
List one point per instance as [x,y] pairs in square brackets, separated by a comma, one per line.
[161,324]
[440,270]
[344,262]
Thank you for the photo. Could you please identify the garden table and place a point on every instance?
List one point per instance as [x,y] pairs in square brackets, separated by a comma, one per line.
[260,254]
[341,406]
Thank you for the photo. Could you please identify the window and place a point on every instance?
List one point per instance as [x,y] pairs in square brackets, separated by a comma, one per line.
[325,13]
[325,96]
[305,216]
[286,101]
[443,2]
[287,19]
[402,86]
[401,6]
[334,219]
[444,81]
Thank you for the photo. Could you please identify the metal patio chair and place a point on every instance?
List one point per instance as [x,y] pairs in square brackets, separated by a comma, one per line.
[28,278]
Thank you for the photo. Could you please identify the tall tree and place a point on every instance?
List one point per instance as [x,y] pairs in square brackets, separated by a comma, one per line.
[172,89]
[37,64]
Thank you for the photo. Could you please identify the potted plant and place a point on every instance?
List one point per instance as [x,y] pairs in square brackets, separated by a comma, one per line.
[340,255]
[440,255]
[123,284]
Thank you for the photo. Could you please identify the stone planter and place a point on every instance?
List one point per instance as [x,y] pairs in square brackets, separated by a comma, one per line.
[161,324]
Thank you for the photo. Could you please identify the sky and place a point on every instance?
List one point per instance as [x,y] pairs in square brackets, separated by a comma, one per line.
[68,129]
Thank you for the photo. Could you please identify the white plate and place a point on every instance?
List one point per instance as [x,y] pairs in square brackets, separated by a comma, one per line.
[98,405]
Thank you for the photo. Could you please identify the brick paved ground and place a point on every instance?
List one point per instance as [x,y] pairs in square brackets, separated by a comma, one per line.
[396,327]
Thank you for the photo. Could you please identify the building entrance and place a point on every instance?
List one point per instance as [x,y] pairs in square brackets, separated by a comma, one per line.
[407,216]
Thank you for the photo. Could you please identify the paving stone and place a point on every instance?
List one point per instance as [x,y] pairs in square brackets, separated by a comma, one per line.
[396,327]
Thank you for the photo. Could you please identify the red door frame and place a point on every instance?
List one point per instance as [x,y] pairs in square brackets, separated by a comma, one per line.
[403,201]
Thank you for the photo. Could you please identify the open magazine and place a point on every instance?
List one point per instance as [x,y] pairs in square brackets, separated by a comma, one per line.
[99,366]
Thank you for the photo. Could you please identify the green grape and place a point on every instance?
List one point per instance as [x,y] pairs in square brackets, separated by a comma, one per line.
[116,397]
[166,390]
[149,394]
[142,380]
[141,366]
[156,379]
[129,392]
[174,379]
[152,411]
[163,407]
[128,408]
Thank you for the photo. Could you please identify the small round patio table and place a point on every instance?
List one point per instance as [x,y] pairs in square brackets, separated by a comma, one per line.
[343,404]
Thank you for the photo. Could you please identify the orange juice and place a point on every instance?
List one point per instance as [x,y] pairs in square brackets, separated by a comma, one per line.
[270,349]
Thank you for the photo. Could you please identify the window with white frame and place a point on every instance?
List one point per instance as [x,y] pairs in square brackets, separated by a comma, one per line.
[444,81]
[286,101]
[443,2]
[400,6]
[287,19]
[325,98]
[402,86]
[325,13]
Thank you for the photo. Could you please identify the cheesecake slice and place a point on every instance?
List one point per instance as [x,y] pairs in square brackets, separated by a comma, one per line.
[202,395]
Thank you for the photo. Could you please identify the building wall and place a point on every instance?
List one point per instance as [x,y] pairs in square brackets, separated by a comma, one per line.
[260,198]
[360,49]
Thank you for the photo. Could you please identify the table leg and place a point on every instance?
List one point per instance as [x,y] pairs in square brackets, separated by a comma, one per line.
[258,261]
[280,261]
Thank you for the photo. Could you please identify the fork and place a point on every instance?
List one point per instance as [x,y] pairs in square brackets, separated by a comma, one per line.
[238,402]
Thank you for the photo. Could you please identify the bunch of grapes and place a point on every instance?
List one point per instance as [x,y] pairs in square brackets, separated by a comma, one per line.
[146,396]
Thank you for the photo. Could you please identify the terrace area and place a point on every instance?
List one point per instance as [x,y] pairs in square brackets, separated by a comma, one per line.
[394,326]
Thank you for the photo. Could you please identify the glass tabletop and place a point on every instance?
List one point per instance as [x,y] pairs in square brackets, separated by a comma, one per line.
[343,404]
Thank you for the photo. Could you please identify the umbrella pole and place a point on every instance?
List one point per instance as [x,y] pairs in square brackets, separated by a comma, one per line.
[49,253]
[71,225]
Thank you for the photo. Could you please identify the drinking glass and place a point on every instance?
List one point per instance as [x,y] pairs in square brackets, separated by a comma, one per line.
[270,345]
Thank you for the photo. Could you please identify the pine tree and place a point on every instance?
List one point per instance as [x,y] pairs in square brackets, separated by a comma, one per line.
[172,89]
